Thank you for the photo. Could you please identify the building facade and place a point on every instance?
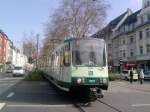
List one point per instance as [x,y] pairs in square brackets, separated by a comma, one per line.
[19,59]
[3,47]
[128,39]
[9,51]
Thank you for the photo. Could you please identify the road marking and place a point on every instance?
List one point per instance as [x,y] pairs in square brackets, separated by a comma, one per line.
[140,105]
[7,79]
[2,106]
[10,94]
[43,106]
[6,84]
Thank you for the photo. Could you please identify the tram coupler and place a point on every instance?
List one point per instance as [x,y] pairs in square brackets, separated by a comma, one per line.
[99,93]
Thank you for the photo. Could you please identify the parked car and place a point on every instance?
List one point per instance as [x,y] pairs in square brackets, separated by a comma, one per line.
[18,71]
[126,75]
[147,75]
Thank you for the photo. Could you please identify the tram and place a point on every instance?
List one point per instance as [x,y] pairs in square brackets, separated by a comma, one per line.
[79,64]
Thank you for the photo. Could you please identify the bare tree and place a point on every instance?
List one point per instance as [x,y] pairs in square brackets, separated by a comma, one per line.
[29,45]
[74,18]
[79,17]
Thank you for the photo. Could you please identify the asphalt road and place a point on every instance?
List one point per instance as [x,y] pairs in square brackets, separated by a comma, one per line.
[7,82]
[25,96]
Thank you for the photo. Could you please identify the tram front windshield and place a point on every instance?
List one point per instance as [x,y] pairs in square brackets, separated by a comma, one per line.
[88,53]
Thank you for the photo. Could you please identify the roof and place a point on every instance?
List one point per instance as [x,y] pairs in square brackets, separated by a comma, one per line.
[4,34]
[114,22]
[132,18]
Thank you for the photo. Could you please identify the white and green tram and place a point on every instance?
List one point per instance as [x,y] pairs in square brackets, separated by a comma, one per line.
[79,64]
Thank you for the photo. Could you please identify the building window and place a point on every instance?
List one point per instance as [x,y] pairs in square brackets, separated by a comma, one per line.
[124,53]
[120,42]
[148,3]
[120,54]
[141,50]
[109,46]
[148,17]
[147,33]
[131,39]
[142,20]
[148,48]
[131,52]
[140,35]
[124,42]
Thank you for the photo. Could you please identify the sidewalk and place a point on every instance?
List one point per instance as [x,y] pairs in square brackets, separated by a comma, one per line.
[145,87]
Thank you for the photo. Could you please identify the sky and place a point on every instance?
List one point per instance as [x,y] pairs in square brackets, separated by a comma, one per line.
[18,17]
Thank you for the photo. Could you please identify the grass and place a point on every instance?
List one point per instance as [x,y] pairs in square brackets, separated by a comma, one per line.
[113,77]
[35,75]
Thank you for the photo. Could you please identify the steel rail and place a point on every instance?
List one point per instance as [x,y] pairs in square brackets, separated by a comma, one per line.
[108,105]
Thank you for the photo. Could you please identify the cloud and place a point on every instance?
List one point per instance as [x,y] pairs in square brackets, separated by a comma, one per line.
[135,4]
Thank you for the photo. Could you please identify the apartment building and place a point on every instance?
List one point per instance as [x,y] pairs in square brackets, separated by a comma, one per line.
[128,38]
[3,47]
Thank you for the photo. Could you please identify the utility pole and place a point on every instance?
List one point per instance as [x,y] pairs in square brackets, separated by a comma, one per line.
[37,48]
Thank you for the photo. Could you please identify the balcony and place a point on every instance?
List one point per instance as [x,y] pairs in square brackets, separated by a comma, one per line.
[132,58]
[143,57]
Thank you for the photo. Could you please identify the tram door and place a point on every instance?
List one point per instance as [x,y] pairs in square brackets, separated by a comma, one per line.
[66,64]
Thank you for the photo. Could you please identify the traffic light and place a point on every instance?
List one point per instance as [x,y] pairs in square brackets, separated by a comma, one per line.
[120,62]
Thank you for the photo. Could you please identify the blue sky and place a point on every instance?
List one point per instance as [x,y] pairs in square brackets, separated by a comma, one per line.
[24,16]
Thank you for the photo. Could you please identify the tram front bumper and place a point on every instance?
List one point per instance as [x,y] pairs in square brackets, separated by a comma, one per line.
[90,82]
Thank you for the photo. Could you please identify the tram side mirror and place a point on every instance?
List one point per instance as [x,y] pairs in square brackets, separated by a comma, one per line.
[66,60]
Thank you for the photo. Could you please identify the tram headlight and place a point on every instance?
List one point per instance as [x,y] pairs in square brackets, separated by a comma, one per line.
[80,81]
[104,81]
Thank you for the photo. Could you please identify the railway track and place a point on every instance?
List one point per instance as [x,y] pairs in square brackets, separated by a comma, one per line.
[108,105]
[79,107]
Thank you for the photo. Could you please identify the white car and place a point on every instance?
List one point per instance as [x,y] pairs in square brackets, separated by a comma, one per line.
[126,75]
[18,71]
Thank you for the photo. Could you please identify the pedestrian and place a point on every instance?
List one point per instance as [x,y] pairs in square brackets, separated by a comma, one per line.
[138,75]
[131,75]
[141,76]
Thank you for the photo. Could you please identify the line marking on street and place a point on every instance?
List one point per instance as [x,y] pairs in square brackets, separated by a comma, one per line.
[140,105]
[42,106]
[10,94]
[2,106]
[8,79]
[6,84]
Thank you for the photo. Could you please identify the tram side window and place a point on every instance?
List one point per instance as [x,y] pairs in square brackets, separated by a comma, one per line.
[52,62]
[66,58]
[57,60]
[61,58]
[104,57]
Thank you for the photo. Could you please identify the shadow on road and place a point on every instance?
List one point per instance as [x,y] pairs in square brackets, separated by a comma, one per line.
[26,92]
